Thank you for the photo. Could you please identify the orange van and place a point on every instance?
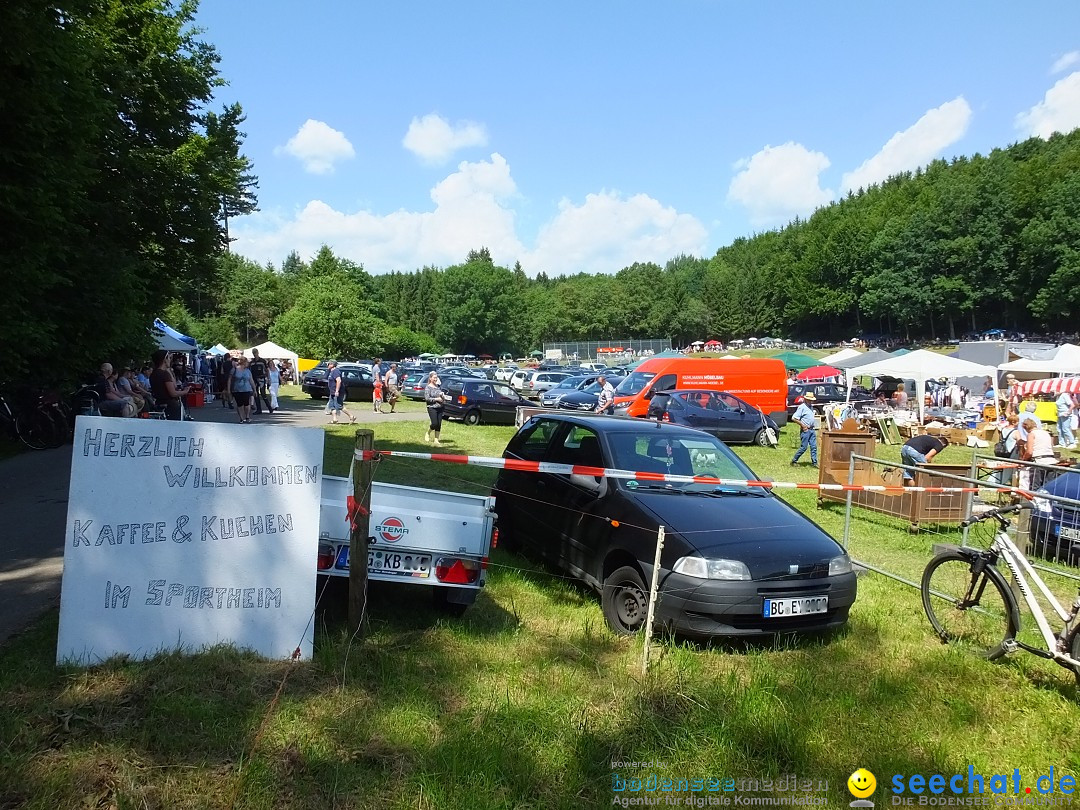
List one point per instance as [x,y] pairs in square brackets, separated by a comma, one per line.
[760,381]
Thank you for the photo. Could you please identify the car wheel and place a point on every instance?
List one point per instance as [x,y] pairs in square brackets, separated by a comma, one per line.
[625,601]
[472,418]
[761,438]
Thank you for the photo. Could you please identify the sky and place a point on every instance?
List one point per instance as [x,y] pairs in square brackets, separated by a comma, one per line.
[586,136]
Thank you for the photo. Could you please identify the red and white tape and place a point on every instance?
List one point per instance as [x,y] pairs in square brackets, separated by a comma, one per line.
[608,472]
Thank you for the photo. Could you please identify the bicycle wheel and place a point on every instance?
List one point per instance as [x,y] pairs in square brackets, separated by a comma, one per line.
[1074,652]
[977,610]
[37,430]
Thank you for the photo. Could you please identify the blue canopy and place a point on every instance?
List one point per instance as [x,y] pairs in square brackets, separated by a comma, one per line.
[168,330]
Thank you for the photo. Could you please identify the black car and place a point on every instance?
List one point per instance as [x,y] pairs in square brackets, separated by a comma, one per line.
[551,397]
[824,393]
[315,373]
[584,399]
[357,381]
[476,401]
[737,560]
[1055,526]
[724,415]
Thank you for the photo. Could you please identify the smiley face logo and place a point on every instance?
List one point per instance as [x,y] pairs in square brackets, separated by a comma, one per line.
[861,783]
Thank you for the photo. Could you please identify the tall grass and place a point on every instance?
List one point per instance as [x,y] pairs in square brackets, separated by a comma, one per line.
[526,701]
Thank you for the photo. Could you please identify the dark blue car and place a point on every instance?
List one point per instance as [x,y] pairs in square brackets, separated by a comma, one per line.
[724,415]
[1055,526]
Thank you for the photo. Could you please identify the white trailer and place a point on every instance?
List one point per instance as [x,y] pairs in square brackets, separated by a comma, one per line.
[418,537]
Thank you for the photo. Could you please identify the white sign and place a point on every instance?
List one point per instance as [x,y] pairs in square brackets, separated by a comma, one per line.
[183,535]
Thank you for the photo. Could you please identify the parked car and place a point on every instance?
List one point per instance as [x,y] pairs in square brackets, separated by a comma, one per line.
[481,401]
[504,373]
[315,373]
[1055,526]
[540,381]
[737,560]
[585,398]
[518,378]
[719,413]
[358,382]
[549,398]
[413,384]
[825,394]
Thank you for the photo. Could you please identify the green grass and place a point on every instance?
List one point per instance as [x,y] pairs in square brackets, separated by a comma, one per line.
[527,700]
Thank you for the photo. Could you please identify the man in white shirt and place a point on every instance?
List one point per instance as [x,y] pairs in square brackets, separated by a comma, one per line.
[1066,406]
[806,420]
[605,402]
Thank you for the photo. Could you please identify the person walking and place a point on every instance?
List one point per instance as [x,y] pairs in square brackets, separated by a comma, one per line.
[274,375]
[807,422]
[1066,407]
[434,398]
[241,388]
[335,388]
[225,368]
[392,391]
[920,450]
[376,396]
[257,366]
[605,401]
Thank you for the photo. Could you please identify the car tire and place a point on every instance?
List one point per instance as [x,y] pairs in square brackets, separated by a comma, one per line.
[625,601]
[761,438]
[472,417]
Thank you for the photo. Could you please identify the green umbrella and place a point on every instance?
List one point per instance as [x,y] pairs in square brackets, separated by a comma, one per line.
[797,361]
[536,353]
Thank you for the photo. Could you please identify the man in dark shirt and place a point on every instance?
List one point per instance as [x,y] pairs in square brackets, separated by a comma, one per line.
[261,377]
[920,450]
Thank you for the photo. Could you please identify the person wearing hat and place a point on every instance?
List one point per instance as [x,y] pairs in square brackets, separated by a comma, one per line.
[807,422]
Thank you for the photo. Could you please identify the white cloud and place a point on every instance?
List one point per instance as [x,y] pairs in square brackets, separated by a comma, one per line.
[1059,111]
[434,140]
[1065,62]
[318,146]
[915,146]
[606,233]
[472,209]
[780,182]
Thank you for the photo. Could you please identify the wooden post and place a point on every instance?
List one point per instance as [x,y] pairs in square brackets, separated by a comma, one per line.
[362,473]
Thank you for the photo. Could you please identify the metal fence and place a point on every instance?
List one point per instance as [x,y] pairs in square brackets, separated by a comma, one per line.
[620,349]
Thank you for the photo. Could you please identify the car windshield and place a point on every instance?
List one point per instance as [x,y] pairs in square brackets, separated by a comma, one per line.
[680,454]
[633,384]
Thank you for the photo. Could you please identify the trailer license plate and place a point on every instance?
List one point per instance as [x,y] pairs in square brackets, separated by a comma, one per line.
[803,606]
[394,563]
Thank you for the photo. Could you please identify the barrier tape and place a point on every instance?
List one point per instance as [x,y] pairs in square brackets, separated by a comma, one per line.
[577,469]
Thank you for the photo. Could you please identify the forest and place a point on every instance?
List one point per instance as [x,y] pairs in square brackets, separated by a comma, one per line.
[118,182]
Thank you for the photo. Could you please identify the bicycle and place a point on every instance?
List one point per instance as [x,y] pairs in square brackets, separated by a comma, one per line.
[34,427]
[967,599]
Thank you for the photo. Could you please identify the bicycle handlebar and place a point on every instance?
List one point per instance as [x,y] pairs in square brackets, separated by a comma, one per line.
[994,513]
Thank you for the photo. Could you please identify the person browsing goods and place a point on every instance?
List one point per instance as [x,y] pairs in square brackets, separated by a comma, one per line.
[807,422]
[920,450]
[605,402]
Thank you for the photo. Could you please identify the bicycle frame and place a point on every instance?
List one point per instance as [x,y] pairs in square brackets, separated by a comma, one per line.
[1021,569]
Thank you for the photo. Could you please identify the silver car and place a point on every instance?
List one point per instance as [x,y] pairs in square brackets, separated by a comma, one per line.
[540,381]
[551,397]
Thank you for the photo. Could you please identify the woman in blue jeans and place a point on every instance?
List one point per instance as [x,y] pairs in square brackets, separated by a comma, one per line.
[920,450]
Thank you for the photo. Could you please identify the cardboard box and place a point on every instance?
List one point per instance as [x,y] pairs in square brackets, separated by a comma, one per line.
[957,435]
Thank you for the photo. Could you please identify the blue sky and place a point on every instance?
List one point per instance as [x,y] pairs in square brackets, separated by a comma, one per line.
[585,136]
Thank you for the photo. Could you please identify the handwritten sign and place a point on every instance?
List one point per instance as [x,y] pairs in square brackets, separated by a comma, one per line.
[183,535]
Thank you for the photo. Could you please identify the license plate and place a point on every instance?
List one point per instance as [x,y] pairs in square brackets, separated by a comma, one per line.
[1070,533]
[802,606]
[393,563]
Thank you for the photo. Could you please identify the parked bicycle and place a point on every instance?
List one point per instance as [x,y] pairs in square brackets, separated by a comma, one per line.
[35,426]
[968,600]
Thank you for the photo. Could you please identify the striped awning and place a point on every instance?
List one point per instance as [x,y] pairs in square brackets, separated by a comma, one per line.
[1049,386]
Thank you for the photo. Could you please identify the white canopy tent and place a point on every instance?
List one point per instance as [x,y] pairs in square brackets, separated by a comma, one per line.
[921,366]
[843,354]
[272,351]
[1066,360]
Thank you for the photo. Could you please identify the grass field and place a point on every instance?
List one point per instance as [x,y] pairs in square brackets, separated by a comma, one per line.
[528,700]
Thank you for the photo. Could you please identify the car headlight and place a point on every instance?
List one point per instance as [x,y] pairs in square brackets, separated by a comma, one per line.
[1041,505]
[840,565]
[703,568]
